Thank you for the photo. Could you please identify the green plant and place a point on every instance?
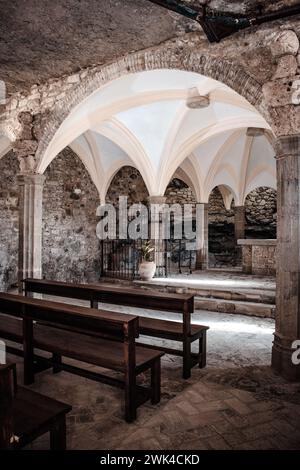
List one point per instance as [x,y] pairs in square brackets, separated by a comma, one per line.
[146,250]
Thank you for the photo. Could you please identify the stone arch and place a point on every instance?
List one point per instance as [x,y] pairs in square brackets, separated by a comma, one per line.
[172,58]
[225,191]
[185,177]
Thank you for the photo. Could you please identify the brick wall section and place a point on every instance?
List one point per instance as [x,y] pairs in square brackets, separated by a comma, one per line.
[9,221]
[264,260]
[70,245]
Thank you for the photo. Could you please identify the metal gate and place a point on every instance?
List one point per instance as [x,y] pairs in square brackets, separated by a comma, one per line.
[120,258]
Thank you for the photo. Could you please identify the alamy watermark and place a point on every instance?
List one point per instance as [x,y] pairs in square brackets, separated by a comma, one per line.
[2,92]
[157,222]
[296,354]
[2,352]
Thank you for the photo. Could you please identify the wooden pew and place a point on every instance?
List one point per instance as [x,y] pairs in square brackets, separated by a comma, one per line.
[184,332]
[28,414]
[114,349]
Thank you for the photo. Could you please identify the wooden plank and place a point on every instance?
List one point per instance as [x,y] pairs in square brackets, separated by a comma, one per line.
[117,295]
[64,314]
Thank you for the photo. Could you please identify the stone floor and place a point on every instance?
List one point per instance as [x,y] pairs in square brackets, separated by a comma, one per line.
[235,403]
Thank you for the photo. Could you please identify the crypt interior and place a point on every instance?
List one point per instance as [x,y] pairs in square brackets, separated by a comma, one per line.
[109,100]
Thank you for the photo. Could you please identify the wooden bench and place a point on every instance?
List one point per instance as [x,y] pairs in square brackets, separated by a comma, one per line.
[115,350]
[26,415]
[184,332]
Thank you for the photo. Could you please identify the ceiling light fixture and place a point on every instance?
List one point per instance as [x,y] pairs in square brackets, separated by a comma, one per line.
[255,131]
[195,100]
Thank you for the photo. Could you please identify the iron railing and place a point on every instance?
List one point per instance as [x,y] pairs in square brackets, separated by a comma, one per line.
[120,258]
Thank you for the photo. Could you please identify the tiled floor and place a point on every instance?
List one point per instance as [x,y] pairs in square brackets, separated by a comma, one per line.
[235,403]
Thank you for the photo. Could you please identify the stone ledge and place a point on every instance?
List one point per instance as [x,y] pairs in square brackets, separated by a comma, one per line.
[257,242]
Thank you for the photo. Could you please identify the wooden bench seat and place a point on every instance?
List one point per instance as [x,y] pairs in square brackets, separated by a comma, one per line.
[184,332]
[65,343]
[29,415]
[166,328]
[34,415]
[112,346]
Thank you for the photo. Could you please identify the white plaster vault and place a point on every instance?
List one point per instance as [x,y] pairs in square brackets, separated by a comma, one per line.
[142,120]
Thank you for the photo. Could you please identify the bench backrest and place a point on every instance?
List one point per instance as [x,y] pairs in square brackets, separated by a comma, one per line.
[142,298]
[110,324]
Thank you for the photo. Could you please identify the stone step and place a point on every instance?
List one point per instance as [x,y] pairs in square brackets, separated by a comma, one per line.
[264,296]
[243,301]
[256,309]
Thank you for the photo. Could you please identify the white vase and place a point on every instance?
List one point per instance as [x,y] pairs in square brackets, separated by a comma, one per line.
[147,270]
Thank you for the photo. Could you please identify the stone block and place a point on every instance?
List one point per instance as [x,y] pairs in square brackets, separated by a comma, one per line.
[285,42]
[286,67]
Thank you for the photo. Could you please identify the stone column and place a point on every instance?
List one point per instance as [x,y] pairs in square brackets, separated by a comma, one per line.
[288,257]
[30,226]
[155,232]
[239,222]
[202,261]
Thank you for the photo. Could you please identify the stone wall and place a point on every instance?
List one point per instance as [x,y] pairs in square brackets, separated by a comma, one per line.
[70,245]
[261,213]
[259,256]
[179,193]
[221,240]
[127,182]
[9,221]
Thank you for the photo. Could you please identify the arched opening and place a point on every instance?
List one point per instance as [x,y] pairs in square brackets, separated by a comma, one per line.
[180,252]
[120,256]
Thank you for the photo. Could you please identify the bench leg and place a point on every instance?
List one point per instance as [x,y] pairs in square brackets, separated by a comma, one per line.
[58,435]
[57,366]
[28,352]
[187,356]
[202,350]
[155,382]
[94,304]
[130,397]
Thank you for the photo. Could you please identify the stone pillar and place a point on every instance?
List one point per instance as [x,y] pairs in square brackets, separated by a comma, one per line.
[30,226]
[288,257]
[239,222]
[202,261]
[155,232]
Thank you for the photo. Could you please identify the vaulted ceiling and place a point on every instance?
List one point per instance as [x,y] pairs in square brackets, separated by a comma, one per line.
[143,120]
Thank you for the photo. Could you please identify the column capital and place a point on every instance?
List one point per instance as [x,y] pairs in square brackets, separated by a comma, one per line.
[30,179]
[288,145]
[156,199]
